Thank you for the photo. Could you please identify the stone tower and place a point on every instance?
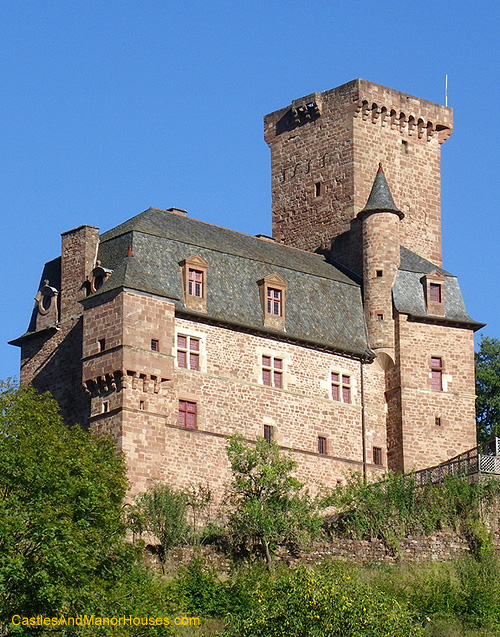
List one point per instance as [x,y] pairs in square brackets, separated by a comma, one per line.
[324,148]
[380,220]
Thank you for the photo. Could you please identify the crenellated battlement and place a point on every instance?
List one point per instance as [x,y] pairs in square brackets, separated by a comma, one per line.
[411,124]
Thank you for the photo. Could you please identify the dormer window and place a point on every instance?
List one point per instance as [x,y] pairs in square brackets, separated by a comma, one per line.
[272,294]
[47,303]
[97,278]
[434,293]
[194,283]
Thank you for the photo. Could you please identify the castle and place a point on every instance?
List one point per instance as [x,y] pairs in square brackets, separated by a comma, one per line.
[341,337]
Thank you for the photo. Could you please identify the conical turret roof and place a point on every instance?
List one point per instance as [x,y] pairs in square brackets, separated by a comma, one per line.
[380,199]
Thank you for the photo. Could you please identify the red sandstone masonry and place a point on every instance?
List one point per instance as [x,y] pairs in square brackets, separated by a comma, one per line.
[134,392]
[360,124]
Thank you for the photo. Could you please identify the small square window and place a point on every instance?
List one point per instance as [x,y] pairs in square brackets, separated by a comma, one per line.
[268,433]
[322,445]
[380,317]
[102,344]
[155,345]
[380,273]
[187,414]
[377,455]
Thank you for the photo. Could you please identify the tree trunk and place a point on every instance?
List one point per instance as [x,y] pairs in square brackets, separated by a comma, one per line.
[269,559]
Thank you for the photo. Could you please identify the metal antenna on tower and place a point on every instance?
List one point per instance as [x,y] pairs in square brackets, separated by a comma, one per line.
[446,90]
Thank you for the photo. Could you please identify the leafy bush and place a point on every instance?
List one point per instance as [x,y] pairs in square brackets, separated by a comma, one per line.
[329,602]
[161,511]
[398,507]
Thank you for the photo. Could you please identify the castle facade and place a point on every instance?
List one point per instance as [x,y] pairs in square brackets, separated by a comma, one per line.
[341,337]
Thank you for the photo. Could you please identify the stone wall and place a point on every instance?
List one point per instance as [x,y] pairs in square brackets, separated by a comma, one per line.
[440,547]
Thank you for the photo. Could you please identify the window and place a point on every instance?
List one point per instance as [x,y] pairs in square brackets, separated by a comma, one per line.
[404,147]
[436,374]
[187,414]
[97,278]
[274,302]
[341,387]
[141,405]
[435,292]
[105,407]
[268,433]
[380,317]
[46,302]
[102,344]
[188,352]
[380,273]
[317,189]
[322,445]
[195,285]
[155,345]
[272,371]
[437,421]
[377,455]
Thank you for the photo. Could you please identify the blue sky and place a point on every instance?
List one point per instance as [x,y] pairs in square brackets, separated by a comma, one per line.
[109,107]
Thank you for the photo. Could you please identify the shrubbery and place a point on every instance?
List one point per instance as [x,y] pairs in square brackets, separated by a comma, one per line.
[398,507]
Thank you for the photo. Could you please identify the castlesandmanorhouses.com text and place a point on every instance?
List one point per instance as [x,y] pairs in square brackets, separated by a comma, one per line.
[93,620]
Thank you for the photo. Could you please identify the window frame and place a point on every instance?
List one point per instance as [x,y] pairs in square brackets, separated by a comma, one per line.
[434,281]
[197,266]
[322,446]
[272,371]
[273,284]
[268,433]
[341,386]
[377,455]
[437,367]
[188,351]
[186,408]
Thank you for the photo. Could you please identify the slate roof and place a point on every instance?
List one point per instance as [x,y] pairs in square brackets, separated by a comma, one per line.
[380,199]
[323,305]
[408,292]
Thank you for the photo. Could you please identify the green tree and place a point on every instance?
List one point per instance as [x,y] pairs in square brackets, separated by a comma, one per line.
[161,510]
[268,506]
[61,491]
[488,388]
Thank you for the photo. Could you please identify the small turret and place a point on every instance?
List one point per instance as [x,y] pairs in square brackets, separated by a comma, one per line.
[381,257]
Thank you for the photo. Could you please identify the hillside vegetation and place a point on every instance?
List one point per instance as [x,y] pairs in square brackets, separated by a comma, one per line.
[65,555]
